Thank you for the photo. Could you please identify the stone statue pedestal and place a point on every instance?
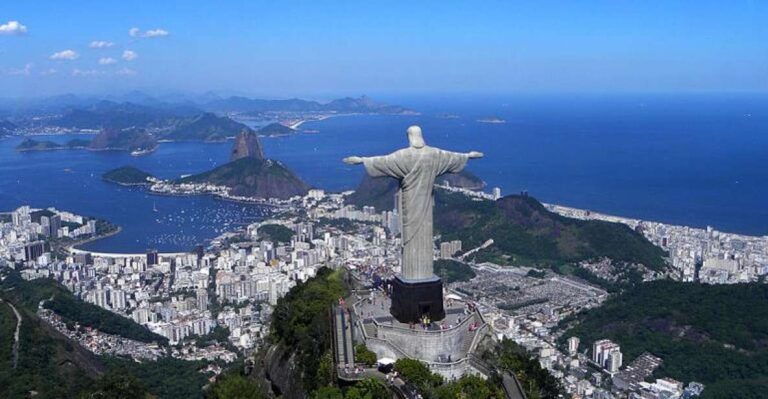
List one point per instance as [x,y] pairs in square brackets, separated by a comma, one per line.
[412,299]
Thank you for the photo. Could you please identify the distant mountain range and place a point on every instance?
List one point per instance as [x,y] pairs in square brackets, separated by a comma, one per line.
[204,118]
[246,105]
[187,105]
[6,128]
[129,139]
[123,115]
[204,127]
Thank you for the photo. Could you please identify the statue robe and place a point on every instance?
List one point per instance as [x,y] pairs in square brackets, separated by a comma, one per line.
[416,169]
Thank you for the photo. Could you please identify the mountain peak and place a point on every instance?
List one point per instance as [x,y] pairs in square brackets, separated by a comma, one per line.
[246,145]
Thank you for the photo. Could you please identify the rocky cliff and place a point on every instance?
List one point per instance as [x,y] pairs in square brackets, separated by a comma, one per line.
[246,145]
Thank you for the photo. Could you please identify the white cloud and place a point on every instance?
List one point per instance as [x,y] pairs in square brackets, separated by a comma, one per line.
[101,44]
[26,71]
[13,28]
[107,61]
[86,72]
[150,34]
[48,72]
[65,55]
[156,33]
[125,72]
[129,55]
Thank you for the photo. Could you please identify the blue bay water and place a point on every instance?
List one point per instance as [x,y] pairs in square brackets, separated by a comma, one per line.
[695,160]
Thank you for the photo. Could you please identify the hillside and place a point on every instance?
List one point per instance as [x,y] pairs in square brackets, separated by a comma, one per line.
[253,177]
[526,232]
[48,363]
[127,176]
[28,294]
[6,127]
[380,192]
[254,106]
[130,140]
[46,145]
[204,127]
[523,230]
[109,114]
[276,129]
[714,334]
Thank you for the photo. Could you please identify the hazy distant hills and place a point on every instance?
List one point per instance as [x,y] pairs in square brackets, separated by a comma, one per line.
[245,105]
[204,127]
[6,128]
[130,140]
[176,118]
[276,129]
[123,115]
[186,104]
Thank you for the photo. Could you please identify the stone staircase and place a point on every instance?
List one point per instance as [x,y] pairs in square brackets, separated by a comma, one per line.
[370,330]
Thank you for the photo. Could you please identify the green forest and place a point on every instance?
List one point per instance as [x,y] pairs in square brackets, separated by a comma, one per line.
[524,232]
[72,309]
[714,334]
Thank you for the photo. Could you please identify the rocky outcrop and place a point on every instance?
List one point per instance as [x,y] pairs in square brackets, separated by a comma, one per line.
[253,177]
[277,373]
[246,145]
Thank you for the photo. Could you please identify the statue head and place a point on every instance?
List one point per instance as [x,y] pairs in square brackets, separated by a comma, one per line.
[415,139]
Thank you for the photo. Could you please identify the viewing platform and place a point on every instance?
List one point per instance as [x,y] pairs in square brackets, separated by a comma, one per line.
[446,345]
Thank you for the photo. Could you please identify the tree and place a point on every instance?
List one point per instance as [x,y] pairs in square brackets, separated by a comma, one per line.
[235,387]
[116,386]
[470,386]
[371,389]
[418,374]
[328,393]
[325,370]
[365,355]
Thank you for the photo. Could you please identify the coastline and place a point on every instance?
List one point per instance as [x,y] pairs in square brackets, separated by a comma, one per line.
[70,247]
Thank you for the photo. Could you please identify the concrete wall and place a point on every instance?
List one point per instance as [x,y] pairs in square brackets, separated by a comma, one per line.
[428,345]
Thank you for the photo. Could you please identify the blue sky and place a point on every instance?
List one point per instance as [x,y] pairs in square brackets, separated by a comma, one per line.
[316,48]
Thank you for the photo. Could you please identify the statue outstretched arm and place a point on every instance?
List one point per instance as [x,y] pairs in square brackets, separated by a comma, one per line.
[353,160]
[475,154]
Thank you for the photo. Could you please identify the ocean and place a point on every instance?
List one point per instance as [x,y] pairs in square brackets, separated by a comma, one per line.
[694,160]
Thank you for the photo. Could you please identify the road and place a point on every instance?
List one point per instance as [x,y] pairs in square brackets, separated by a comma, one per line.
[15,335]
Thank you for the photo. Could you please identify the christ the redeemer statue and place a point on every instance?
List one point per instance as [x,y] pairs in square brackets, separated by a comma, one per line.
[416,168]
